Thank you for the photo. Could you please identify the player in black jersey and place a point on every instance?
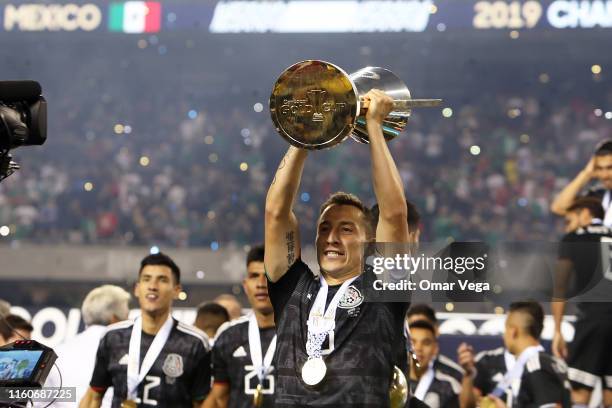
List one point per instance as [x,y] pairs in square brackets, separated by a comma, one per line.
[154,360]
[344,357]
[584,257]
[533,379]
[240,377]
[600,168]
[430,384]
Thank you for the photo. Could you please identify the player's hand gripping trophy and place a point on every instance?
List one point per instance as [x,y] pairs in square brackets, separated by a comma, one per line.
[316,105]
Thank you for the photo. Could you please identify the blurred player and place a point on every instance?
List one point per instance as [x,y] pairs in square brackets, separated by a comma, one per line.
[153,361]
[334,348]
[442,363]
[533,379]
[231,304]
[210,317]
[599,168]
[585,258]
[76,357]
[243,350]
[431,385]
[12,328]
[413,219]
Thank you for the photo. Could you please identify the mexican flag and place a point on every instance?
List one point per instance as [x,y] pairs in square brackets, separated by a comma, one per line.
[135,17]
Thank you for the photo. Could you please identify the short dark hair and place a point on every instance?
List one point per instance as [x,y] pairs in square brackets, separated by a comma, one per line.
[604,148]
[535,324]
[342,198]
[213,308]
[425,310]
[161,259]
[10,323]
[423,324]
[589,203]
[255,254]
[414,217]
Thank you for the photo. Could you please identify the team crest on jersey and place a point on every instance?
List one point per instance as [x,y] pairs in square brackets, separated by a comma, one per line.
[351,299]
[173,365]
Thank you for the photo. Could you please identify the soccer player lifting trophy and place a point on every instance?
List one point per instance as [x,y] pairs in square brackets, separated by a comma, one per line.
[334,347]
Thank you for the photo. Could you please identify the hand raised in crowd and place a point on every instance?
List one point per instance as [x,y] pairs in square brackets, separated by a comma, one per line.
[465,357]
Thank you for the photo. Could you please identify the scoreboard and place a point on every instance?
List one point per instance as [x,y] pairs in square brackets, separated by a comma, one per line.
[304,16]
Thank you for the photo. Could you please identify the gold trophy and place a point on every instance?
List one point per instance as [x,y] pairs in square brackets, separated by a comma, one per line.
[258,396]
[316,105]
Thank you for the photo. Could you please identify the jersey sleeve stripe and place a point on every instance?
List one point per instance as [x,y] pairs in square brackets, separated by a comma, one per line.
[195,333]
[455,385]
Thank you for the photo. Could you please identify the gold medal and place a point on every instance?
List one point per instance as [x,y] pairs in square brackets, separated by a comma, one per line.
[129,404]
[258,396]
[487,402]
[313,371]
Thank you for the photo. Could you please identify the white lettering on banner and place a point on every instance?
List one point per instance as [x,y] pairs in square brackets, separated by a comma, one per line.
[52,17]
[320,16]
[580,14]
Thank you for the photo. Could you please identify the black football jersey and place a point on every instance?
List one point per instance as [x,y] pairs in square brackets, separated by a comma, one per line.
[590,251]
[179,376]
[544,382]
[442,393]
[359,354]
[232,364]
[446,365]
[490,370]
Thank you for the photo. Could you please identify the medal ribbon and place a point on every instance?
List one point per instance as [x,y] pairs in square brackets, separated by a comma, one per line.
[134,375]
[425,382]
[260,364]
[321,321]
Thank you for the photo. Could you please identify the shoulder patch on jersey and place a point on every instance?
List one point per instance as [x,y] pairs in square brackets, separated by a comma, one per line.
[489,353]
[239,352]
[455,385]
[173,365]
[533,364]
[195,332]
[231,323]
[351,298]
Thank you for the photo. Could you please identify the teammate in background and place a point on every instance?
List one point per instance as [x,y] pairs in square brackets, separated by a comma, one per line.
[413,219]
[440,362]
[231,304]
[533,379]
[210,317]
[76,357]
[585,255]
[153,361]
[600,168]
[242,354]
[431,385]
[334,348]
[13,328]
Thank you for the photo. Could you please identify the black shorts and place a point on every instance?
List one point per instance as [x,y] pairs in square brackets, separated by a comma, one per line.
[590,353]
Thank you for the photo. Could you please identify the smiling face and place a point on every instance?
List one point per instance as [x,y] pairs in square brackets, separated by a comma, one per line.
[341,234]
[256,288]
[156,289]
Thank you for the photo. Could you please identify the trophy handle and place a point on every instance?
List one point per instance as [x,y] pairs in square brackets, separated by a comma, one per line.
[403,106]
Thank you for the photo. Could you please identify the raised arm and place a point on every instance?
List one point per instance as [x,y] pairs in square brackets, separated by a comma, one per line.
[91,399]
[569,193]
[388,187]
[282,239]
